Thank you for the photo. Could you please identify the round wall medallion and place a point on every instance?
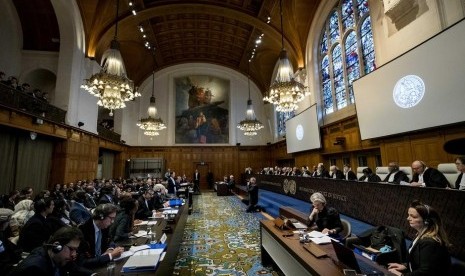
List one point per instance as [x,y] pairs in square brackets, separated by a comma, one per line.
[299,132]
[408,91]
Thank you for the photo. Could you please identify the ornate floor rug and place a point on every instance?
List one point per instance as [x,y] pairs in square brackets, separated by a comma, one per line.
[220,238]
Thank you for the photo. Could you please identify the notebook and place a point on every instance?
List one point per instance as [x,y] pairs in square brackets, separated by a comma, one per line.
[347,257]
[146,261]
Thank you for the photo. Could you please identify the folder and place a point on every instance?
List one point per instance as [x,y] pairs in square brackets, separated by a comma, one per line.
[142,262]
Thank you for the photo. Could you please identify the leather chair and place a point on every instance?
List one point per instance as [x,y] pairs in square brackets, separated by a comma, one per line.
[382,172]
[360,172]
[408,171]
[449,170]
[347,229]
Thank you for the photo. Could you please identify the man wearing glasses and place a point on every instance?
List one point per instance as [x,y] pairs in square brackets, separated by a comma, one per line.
[460,182]
[95,250]
[57,257]
[424,176]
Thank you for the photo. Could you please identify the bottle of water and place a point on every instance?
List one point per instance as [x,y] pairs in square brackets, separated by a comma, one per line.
[111,268]
[153,240]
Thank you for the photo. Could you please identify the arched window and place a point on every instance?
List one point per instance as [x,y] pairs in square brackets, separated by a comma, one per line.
[346,52]
[281,118]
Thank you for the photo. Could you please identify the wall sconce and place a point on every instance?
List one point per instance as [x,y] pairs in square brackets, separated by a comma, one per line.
[80,124]
[33,135]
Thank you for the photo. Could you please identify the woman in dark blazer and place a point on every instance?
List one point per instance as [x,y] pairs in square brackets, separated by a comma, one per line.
[122,227]
[323,218]
[428,254]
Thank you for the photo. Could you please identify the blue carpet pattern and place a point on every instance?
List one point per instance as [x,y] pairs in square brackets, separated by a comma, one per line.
[220,238]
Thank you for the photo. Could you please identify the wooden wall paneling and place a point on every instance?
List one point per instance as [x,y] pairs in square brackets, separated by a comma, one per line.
[429,150]
[397,150]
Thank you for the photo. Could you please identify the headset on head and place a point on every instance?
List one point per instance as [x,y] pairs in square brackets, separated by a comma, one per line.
[427,219]
[56,247]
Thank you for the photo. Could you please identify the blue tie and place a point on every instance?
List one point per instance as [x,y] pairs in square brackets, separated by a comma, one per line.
[98,244]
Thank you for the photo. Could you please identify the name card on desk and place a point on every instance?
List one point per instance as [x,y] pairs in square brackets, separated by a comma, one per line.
[163,238]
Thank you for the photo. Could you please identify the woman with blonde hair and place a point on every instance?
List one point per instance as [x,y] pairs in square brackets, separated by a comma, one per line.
[24,210]
[428,254]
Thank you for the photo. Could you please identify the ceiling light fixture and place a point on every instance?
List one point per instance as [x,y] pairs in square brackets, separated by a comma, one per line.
[152,125]
[111,85]
[285,92]
[250,125]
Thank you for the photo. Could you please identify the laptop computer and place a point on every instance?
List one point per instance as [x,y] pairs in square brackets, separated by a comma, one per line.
[346,256]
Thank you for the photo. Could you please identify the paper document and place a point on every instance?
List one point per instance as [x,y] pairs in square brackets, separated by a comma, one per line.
[155,252]
[299,225]
[141,233]
[316,234]
[124,255]
[131,251]
[144,222]
[321,240]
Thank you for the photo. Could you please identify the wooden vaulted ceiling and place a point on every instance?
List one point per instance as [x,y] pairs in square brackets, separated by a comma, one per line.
[219,32]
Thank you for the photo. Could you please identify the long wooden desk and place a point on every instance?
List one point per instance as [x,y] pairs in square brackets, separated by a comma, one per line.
[289,255]
[174,239]
[378,203]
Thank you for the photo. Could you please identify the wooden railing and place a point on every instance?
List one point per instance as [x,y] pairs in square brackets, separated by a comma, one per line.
[108,134]
[21,101]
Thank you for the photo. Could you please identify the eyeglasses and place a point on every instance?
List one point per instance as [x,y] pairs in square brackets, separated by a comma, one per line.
[72,249]
[111,218]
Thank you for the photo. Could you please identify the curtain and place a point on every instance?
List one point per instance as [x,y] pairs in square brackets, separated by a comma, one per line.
[7,161]
[33,164]
[108,159]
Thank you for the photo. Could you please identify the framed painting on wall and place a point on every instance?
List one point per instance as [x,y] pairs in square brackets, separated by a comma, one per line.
[202,110]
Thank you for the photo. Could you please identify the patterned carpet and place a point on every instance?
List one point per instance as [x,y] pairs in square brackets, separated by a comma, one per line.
[220,238]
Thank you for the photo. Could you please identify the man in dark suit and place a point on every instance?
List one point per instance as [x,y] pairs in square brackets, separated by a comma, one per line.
[460,182]
[196,180]
[335,173]
[54,258]
[35,232]
[348,173]
[145,208]
[369,176]
[320,172]
[252,189]
[427,177]
[395,175]
[95,250]
[172,183]
[106,195]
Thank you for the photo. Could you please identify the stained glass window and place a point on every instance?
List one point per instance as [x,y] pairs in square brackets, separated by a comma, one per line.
[282,117]
[346,52]
[348,18]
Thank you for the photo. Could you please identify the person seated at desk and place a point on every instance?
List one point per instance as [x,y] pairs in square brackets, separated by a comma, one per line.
[429,253]
[395,175]
[348,173]
[121,230]
[324,219]
[320,172]
[460,182]
[56,257]
[335,173]
[36,231]
[427,177]
[145,205]
[369,176]
[95,249]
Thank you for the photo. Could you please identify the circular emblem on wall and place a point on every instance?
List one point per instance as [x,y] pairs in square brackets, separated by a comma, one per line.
[286,186]
[408,91]
[299,132]
[292,187]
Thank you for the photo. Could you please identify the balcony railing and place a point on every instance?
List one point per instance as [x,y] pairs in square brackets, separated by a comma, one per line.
[19,100]
[108,134]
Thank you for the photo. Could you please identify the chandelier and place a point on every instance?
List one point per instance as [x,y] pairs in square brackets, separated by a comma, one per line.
[285,92]
[111,84]
[250,125]
[151,125]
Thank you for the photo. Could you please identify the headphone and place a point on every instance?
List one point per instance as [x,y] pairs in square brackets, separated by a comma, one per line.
[427,219]
[56,247]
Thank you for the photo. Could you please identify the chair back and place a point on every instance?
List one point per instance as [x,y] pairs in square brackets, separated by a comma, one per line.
[382,172]
[347,231]
[360,172]
[408,171]
[449,170]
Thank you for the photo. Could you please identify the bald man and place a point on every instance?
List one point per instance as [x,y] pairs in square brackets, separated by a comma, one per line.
[427,177]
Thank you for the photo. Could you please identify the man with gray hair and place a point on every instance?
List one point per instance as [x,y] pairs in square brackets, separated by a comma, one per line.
[395,175]
[324,219]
